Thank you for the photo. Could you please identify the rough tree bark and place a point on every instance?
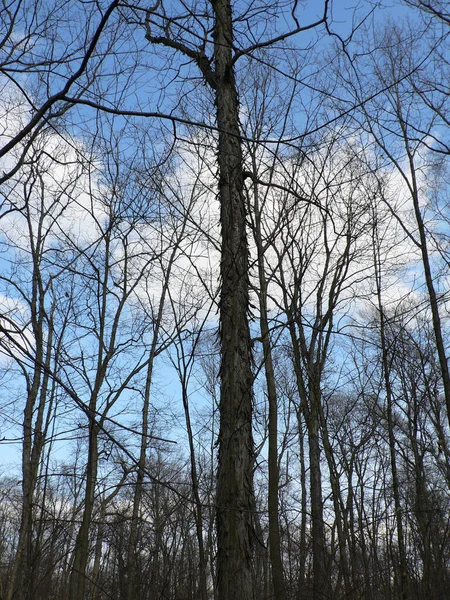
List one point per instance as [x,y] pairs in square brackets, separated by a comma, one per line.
[235,467]
[235,443]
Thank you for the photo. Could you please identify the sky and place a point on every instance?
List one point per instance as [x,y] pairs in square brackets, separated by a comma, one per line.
[145,91]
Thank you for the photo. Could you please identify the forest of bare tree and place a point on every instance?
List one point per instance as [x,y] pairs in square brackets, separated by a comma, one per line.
[224,300]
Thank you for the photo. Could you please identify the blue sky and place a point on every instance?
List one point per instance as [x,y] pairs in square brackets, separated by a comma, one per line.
[145,89]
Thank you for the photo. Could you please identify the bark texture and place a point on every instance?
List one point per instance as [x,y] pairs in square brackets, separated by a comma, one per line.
[234,484]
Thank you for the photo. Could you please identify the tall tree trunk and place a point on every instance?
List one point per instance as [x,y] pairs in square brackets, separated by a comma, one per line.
[278,580]
[429,279]
[202,587]
[310,397]
[304,505]
[77,582]
[321,576]
[342,526]
[34,432]
[390,422]
[96,567]
[235,466]
[138,489]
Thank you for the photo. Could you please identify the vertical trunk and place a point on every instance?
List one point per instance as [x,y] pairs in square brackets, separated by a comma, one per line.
[131,554]
[262,563]
[310,398]
[278,579]
[202,589]
[95,577]
[363,532]
[210,520]
[422,513]
[304,505]
[279,586]
[339,511]
[235,466]
[20,578]
[77,582]
[391,436]
[421,506]
[21,584]
[21,574]
[105,351]
[394,472]
[131,584]
[321,588]
[429,279]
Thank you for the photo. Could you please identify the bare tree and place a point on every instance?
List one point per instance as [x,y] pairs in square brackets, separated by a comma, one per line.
[402,126]
[32,333]
[32,46]
[234,487]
